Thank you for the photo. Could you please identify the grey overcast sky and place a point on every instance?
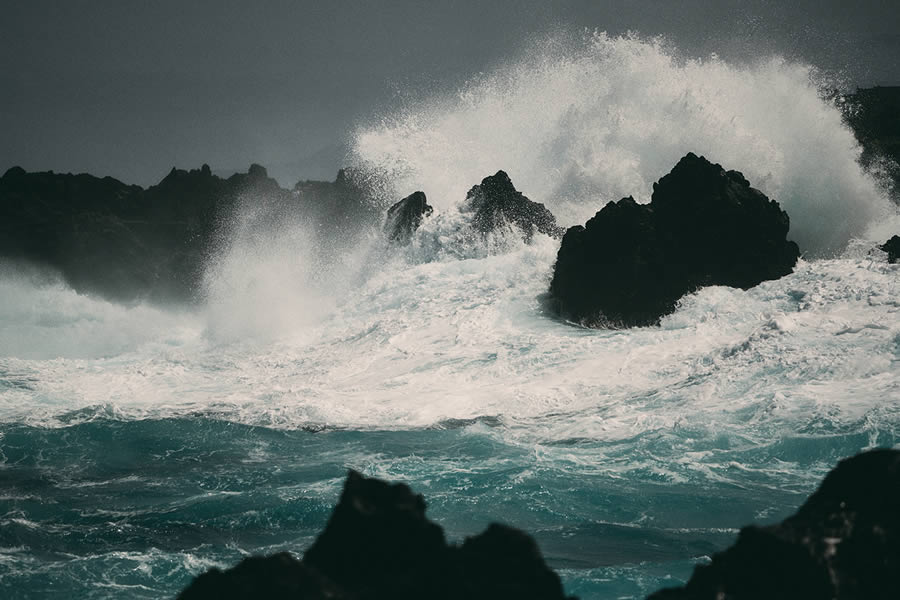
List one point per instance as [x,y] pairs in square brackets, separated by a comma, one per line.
[129,89]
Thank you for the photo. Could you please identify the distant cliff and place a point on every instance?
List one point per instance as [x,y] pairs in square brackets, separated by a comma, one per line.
[128,243]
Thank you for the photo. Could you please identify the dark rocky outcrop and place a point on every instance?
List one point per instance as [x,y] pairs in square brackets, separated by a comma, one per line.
[404,217]
[874,116]
[379,544]
[496,202]
[631,263]
[127,243]
[843,543]
[892,247]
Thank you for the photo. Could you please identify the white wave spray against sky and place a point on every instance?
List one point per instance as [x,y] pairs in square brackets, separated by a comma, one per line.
[577,124]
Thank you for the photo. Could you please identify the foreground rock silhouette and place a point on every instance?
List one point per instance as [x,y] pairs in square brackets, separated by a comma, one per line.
[495,203]
[842,544]
[379,544]
[631,263]
[892,247]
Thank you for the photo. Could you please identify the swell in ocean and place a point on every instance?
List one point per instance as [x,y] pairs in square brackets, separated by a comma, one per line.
[141,444]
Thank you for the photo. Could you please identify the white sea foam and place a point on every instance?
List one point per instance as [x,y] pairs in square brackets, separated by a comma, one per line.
[577,124]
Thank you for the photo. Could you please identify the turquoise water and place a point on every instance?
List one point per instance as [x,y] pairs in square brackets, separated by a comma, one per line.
[107,508]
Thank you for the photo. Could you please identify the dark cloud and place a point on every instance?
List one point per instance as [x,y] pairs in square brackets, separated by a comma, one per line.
[131,88]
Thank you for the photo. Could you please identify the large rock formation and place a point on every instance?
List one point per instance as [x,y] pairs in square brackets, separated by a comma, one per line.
[379,544]
[892,247]
[631,263]
[842,544]
[404,217]
[127,243]
[496,203]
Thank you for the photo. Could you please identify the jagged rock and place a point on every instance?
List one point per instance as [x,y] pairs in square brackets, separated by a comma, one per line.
[378,544]
[892,247]
[404,217]
[631,263]
[842,544]
[496,202]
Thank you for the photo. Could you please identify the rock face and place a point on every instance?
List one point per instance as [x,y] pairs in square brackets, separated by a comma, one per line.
[404,217]
[127,243]
[874,116]
[379,544]
[843,543]
[892,247]
[496,202]
[631,263]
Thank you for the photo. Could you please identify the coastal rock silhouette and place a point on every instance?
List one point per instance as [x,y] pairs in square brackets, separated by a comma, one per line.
[844,542]
[405,217]
[631,263]
[126,243]
[378,544]
[892,247]
[496,202]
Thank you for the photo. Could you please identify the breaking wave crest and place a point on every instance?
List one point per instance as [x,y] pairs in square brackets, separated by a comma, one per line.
[580,123]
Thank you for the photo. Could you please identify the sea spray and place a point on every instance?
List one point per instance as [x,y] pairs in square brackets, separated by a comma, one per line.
[577,124]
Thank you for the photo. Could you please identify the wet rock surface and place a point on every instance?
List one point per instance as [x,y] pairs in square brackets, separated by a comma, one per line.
[405,217]
[843,543]
[892,247]
[631,263]
[495,203]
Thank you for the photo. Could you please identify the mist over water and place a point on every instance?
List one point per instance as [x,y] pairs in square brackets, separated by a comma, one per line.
[140,445]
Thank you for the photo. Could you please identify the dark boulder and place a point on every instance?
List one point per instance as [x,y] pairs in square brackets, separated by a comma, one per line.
[892,247]
[843,543]
[496,202]
[631,263]
[404,217]
[378,544]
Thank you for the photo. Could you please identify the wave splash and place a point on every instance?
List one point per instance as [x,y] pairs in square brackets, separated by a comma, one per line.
[579,123]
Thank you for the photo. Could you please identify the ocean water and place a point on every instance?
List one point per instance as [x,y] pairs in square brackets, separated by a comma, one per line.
[141,445]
